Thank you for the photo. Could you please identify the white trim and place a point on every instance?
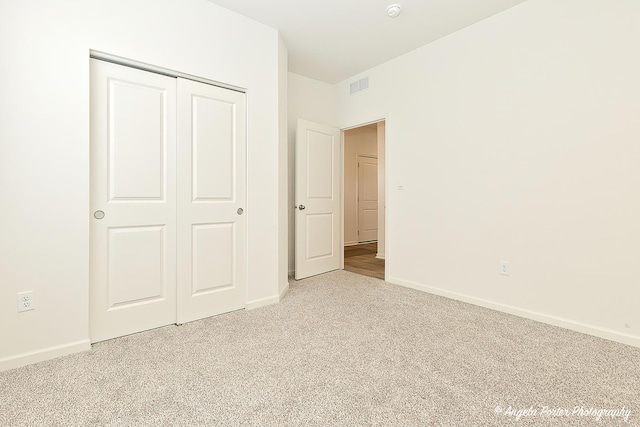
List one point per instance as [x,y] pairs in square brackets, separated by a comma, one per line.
[386,118]
[361,124]
[283,292]
[387,186]
[357,170]
[24,359]
[102,56]
[379,256]
[388,212]
[262,302]
[350,244]
[342,223]
[583,328]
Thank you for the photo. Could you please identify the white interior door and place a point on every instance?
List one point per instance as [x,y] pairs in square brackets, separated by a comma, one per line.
[133,200]
[211,200]
[317,219]
[367,199]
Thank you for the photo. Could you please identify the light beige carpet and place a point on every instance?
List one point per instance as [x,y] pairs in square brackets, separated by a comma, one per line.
[339,350]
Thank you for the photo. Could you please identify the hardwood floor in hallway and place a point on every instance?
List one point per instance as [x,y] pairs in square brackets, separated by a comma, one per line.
[362,259]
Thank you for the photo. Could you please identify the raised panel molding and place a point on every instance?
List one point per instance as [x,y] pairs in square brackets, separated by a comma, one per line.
[320,231]
[213,260]
[213,148]
[320,161]
[135,271]
[137,148]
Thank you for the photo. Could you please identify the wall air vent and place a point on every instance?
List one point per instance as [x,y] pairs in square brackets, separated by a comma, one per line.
[359,86]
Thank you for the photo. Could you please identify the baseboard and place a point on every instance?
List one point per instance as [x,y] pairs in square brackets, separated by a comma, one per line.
[380,256]
[350,243]
[49,353]
[283,292]
[607,334]
[263,302]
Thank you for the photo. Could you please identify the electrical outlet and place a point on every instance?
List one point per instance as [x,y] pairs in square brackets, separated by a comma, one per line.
[504,268]
[25,301]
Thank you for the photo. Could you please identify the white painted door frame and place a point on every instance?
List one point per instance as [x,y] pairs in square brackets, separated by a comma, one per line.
[343,129]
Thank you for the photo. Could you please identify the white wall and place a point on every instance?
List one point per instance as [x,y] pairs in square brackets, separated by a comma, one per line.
[381,130]
[361,140]
[44,146]
[517,139]
[312,100]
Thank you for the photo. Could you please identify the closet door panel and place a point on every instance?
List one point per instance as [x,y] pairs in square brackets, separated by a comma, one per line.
[132,202]
[211,200]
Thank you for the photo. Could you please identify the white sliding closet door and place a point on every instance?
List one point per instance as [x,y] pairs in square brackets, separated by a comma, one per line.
[211,200]
[168,193]
[133,201]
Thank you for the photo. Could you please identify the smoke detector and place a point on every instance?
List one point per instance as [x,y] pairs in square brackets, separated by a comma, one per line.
[393,10]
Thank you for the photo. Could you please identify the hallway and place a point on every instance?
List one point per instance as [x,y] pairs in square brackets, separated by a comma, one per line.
[362,259]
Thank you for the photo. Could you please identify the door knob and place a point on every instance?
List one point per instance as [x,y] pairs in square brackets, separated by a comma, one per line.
[302,207]
[240,211]
[98,214]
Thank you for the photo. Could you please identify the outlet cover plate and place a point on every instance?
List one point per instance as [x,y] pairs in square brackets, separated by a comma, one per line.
[25,301]
[504,268]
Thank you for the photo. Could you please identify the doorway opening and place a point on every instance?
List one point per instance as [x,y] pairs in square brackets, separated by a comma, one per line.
[364,199]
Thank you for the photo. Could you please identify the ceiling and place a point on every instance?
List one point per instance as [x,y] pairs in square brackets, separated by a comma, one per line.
[332,40]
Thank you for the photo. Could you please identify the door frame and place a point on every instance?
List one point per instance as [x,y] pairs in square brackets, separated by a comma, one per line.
[343,129]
